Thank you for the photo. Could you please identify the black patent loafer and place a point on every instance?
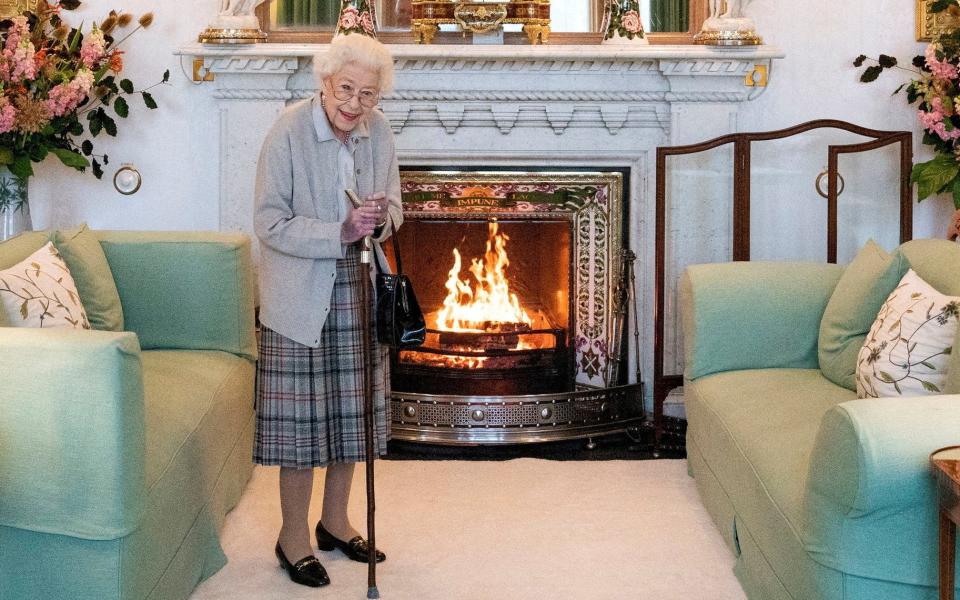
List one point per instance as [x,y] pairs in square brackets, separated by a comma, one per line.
[306,571]
[356,549]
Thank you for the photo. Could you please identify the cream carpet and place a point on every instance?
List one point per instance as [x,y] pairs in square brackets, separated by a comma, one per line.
[513,530]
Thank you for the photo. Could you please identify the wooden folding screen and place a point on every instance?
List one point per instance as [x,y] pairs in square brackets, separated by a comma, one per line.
[663,383]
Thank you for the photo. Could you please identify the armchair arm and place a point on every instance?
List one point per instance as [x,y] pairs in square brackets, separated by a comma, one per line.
[71,432]
[191,290]
[753,315]
[870,487]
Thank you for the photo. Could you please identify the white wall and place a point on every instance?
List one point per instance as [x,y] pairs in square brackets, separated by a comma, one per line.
[816,80]
[179,181]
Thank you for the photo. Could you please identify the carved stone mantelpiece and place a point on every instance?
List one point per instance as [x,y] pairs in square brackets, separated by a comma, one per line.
[509,86]
[474,105]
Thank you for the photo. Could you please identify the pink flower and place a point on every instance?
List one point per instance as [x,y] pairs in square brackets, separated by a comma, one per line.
[934,123]
[93,48]
[929,119]
[65,97]
[941,130]
[8,115]
[940,69]
[17,59]
[21,59]
[939,109]
[349,18]
[15,33]
[366,21]
[631,21]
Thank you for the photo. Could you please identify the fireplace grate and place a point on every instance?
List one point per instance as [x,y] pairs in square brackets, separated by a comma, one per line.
[514,419]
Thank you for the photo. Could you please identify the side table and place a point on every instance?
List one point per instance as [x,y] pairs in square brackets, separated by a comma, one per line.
[946,468]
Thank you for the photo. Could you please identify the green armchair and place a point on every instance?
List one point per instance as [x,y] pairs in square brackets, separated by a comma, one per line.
[121,452]
[819,495]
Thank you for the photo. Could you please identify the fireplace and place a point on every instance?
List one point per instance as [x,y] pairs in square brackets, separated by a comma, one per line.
[565,106]
[497,300]
[518,275]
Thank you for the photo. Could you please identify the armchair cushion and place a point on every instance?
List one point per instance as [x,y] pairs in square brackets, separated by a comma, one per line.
[754,431]
[852,309]
[936,261]
[83,254]
[39,291]
[907,352]
[21,246]
[184,290]
[753,315]
[18,248]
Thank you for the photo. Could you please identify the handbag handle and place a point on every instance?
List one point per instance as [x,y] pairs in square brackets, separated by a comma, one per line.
[396,252]
[396,255]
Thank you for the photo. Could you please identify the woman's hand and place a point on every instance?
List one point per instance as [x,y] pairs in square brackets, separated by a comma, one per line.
[361,221]
[380,202]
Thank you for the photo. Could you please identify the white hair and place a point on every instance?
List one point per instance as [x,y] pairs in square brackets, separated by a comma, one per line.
[356,49]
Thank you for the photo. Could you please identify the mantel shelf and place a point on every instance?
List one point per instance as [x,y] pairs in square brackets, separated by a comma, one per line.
[516,52]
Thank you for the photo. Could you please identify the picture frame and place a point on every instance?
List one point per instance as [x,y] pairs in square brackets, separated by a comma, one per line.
[929,24]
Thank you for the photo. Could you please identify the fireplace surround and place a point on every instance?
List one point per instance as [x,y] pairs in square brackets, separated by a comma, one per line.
[563,106]
[552,243]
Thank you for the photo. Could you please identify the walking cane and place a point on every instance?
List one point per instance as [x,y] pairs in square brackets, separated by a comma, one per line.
[368,420]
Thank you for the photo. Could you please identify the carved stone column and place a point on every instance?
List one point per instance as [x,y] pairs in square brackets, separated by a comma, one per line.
[251,91]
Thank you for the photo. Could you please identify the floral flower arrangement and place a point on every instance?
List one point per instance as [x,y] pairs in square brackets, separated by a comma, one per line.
[624,19]
[57,84]
[356,17]
[935,89]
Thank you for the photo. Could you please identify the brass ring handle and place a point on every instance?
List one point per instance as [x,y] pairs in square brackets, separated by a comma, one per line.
[843,184]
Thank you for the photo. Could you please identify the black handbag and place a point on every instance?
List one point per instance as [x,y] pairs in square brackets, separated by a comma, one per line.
[400,321]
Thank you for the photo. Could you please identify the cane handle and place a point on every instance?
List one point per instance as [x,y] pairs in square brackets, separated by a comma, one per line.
[354,198]
[367,245]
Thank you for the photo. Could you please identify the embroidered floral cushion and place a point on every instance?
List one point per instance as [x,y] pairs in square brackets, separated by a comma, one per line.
[18,248]
[39,292]
[907,352]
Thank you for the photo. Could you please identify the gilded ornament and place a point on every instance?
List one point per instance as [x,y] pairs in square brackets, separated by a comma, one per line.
[213,35]
[727,26]
[12,8]
[480,17]
[930,24]
[235,23]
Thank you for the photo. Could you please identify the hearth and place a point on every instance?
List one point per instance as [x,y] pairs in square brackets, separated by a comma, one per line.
[519,275]
[500,326]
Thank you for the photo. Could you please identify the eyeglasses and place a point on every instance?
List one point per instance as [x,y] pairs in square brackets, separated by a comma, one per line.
[345,93]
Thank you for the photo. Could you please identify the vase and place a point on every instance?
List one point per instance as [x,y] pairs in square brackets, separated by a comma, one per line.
[622,23]
[14,205]
[357,16]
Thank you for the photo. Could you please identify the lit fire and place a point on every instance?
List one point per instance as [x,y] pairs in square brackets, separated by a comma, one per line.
[486,303]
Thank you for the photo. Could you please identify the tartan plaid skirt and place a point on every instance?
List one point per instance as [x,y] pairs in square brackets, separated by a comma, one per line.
[309,401]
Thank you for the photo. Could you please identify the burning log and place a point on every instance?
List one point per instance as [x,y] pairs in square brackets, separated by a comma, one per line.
[495,336]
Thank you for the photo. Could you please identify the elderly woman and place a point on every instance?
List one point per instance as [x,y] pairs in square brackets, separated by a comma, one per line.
[309,397]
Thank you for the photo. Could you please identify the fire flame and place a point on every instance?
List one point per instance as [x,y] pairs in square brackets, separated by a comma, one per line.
[488,302]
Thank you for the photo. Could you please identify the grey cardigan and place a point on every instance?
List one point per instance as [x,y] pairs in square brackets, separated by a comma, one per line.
[296,215]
